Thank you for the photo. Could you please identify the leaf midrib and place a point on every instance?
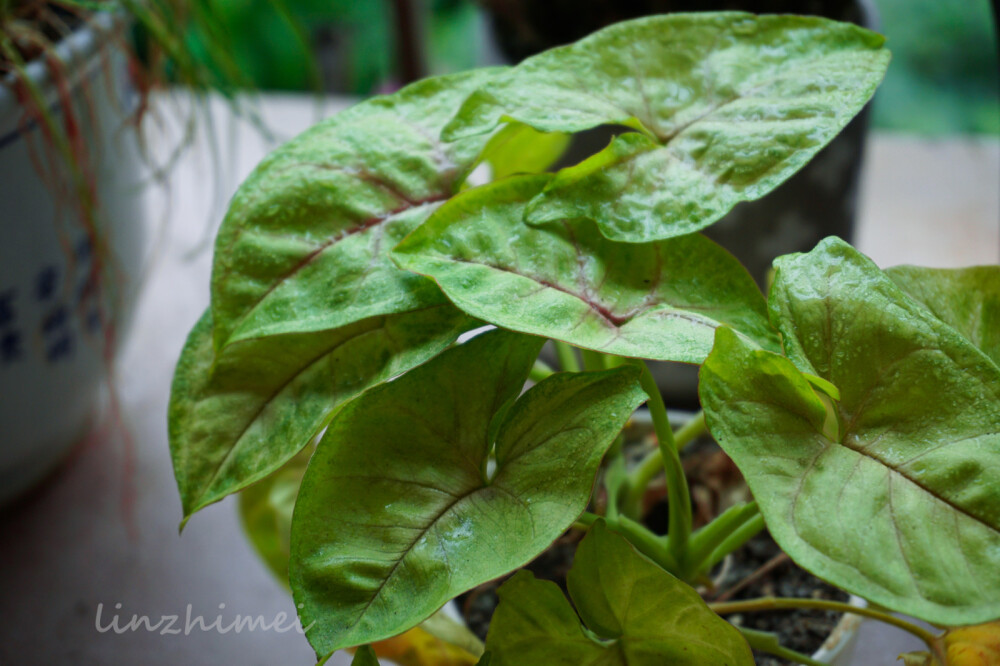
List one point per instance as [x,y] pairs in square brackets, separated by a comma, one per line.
[930,491]
[408,550]
[380,327]
[362,226]
[614,321]
[666,140]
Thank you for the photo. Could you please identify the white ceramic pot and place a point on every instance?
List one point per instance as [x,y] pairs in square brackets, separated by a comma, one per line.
[57,333]
[838,649]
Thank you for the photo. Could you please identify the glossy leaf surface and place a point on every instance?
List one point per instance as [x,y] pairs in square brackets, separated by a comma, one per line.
[634,614]
[729,105]
[397,513]
[967,299]
[898,500]
[237,416]
[266,510]
[304,244]
[568,282]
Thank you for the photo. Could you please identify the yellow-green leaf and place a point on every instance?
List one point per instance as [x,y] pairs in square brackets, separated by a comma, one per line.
[400,510]
[727,105]
[660,300]
[237,416]
[305,242]
[898,502]
[633,614]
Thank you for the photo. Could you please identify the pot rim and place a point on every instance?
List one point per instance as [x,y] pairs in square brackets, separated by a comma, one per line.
[79,53]
[843,634]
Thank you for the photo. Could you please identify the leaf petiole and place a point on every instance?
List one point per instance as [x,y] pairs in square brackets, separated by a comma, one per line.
[649,544]
[678,496]
[652,463]
[783,603]
[539,371]
[642,539]
[593,360]
[585,521]
[615,477]
[767,642]
[567,356]
[707,540]
[740,536]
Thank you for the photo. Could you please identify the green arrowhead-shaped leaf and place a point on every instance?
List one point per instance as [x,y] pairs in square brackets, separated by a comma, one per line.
[304,244]
[634,614]
[237,416]
[892,491]
[266,511]
[729,105]
[397,513]
[967,299]
[661,300]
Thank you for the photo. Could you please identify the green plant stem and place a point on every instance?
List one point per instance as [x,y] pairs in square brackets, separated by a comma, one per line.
[592,360]
[652,546]
[652,463]
[740,536]
[642,539]
[540,370]
[615,477]
[567,356]
[678,495]
[709,538]
[782,603]
[585,520]
[767,642]
[691,430]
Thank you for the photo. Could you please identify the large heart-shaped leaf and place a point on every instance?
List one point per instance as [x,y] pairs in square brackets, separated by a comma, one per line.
[266,510]
[399,510]
[729,105]
[635,614]
[893,491]
[660,300]
[967,299]
[304,244]
[239,415]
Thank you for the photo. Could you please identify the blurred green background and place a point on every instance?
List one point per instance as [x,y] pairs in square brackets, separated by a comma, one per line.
[945,75]
[944,78]
[280,44]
